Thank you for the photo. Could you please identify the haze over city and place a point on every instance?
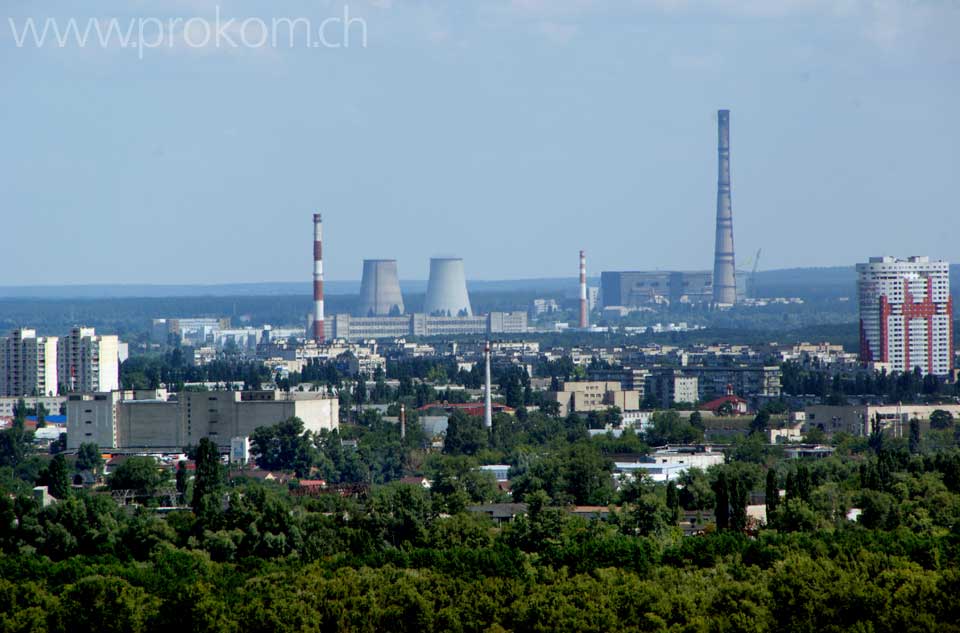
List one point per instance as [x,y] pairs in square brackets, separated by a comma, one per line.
[511,134]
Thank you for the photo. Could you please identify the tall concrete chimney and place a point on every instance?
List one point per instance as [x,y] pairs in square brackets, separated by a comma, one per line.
[724,275]
[380,289]
[487,403]
[583,290]
[318,334]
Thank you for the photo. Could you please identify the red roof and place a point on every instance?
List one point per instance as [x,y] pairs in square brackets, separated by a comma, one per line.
[713,405]
[470,408]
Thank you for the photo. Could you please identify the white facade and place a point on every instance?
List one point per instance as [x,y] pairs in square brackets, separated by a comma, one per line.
[88,362]
[150,419]
[28,364]
[906,314]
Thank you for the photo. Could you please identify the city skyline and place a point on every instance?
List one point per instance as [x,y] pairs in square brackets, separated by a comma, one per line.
[510,135]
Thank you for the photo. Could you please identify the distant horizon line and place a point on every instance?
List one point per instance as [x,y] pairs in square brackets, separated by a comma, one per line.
[574,278]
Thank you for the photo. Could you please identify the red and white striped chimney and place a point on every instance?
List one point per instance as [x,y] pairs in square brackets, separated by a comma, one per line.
[583,290]
[317,278]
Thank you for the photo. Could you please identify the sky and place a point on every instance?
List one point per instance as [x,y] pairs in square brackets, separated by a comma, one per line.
[512,133]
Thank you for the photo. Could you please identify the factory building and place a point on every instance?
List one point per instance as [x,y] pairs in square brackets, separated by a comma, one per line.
[88,362]
[28,364]
[633,289]
[355,328]
[906,314]
[154,420]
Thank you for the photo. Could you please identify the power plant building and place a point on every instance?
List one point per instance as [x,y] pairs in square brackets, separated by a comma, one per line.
[906,314]
[447,289]
[354,328]
[380,289]
[633,289]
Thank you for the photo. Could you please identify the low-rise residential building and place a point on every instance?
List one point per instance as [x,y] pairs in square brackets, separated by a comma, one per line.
[583,397]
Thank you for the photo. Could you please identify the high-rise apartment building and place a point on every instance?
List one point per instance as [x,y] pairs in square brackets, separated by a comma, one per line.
[88,362]
[906,314]
[28,364]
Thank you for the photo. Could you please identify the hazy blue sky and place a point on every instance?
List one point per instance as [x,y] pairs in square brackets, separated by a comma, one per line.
[509,133]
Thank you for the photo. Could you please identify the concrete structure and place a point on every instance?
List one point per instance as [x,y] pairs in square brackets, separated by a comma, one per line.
[583,291]
[92,417]
[447,288]
[724,270]
[125,420]
[583,397]
[380,289]
[88,362]
[28,364]
[317,328]
[861,419]
[354,328]
[670,386]
[632,289]
[906,314]
[488,386]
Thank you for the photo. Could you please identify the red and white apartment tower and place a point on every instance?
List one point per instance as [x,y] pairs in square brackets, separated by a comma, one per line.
[317,278]
[583,290]
[906,314]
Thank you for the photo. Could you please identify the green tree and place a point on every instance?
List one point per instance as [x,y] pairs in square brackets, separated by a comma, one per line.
[89,458]
[760,422]
[140,474]
[673,502]
[914,442]
[14,444]
[58,477]
[182,477]
[772,495]
[721,491]
[465,434]
[941,419]
[284,446]
[207,480]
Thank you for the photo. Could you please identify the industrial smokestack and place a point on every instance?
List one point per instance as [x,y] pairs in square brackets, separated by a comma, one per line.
[583,290]
[403,421]
[380,289]
[487,403]
[447,288]
[724,279]
[318,334]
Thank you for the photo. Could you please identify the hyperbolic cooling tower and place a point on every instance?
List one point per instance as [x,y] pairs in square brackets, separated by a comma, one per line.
[447,288]
[724,280]
[380,289]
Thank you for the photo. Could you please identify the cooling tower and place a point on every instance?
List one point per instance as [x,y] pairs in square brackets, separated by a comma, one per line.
[447,288]
[724,280]
[380,289]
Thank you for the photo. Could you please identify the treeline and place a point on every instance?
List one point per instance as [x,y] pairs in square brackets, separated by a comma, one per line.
[901,387]
[173,369]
